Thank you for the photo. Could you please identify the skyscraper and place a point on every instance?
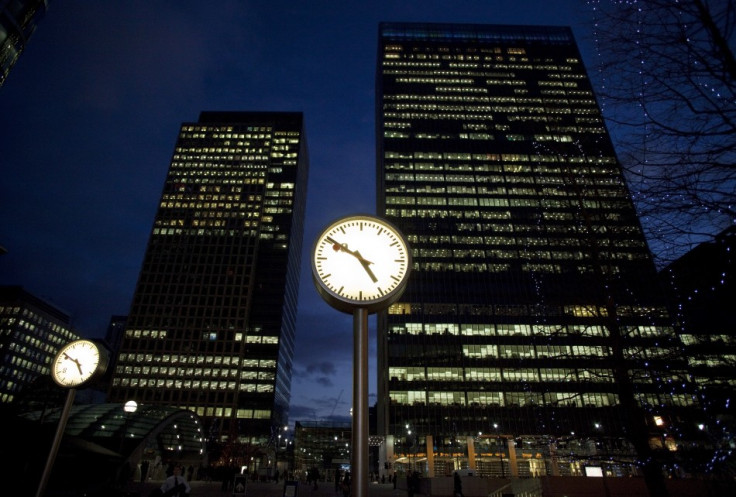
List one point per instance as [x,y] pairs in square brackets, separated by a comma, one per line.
[532,338]
[18,20]
[211,325]
[703,287]
[32,332]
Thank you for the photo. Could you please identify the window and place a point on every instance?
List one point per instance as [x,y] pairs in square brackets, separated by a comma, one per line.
[446,398]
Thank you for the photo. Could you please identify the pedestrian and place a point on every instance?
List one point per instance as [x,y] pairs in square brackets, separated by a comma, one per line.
[176,485]
[458,486]
[144,470]
[346,485]
[315,477]
[414,482]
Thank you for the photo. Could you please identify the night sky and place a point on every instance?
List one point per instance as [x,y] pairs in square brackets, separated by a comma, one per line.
[90,113]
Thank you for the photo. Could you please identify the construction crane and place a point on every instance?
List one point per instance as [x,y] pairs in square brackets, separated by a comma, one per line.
[336,402]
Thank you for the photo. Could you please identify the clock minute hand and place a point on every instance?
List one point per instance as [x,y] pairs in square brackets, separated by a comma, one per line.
[75,361]
[363,261]
[344,247]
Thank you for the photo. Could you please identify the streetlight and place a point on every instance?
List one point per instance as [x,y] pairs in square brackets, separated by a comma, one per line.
[501,450]
[130,406]
[409,445]
[128,409]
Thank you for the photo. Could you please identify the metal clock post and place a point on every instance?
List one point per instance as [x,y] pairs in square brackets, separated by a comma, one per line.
[360,265]
[75,365]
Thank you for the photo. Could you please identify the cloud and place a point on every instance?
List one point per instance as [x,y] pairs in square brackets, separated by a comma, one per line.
[321,407]
[302,412]
[320,373]
[325,368]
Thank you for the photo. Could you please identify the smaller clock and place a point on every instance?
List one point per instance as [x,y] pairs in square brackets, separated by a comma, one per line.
[360,262]
[78,362]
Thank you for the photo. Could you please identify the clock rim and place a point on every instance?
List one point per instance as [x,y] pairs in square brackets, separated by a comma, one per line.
[100,367]
[349,305]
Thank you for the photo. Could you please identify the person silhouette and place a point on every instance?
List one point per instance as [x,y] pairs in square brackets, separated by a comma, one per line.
[458,486]
[176,485]
[144,470]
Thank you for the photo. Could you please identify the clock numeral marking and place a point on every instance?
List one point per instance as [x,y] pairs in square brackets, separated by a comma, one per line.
[395,278]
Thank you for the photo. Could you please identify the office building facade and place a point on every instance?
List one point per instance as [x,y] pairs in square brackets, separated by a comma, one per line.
[211,325]
[18,21]
[702,285]
[32,332]
[531,328]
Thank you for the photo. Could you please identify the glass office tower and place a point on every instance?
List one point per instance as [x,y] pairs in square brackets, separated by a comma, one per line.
[532,325]
[211,325]
[32,331]
[18,21]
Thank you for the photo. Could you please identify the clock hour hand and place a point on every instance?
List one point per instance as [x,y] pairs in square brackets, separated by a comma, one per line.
[365,264]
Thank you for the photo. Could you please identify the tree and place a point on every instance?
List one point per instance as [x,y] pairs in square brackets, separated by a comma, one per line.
[667,80]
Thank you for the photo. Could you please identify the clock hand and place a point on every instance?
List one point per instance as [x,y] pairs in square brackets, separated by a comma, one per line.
[344,247]
[365,264]
[75,361]
[363,261]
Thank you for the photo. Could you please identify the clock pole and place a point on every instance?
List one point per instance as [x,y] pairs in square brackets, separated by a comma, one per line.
[359,457]
[57,442]
[348,245]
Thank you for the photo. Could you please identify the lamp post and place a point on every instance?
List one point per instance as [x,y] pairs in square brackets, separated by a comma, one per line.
[409,445]
[278,447]
[128,409]
[501,449]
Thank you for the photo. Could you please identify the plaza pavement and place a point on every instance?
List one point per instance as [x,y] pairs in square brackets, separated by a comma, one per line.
[262,489]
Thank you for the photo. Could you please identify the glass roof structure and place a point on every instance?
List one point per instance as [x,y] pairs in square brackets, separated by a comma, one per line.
[170,432]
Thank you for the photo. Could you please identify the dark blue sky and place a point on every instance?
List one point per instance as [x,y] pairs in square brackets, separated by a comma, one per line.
[89,118]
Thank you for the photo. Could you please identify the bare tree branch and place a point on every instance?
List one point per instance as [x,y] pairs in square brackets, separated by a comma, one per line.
[667,75]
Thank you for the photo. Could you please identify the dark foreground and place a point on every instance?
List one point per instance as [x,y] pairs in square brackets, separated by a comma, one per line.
[260,489]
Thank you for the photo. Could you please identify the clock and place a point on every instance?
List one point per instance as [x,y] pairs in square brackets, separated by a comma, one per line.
[360,261]
[78,362]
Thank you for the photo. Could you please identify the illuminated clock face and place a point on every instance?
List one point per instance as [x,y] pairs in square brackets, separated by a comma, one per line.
[360,261]
[77,362]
